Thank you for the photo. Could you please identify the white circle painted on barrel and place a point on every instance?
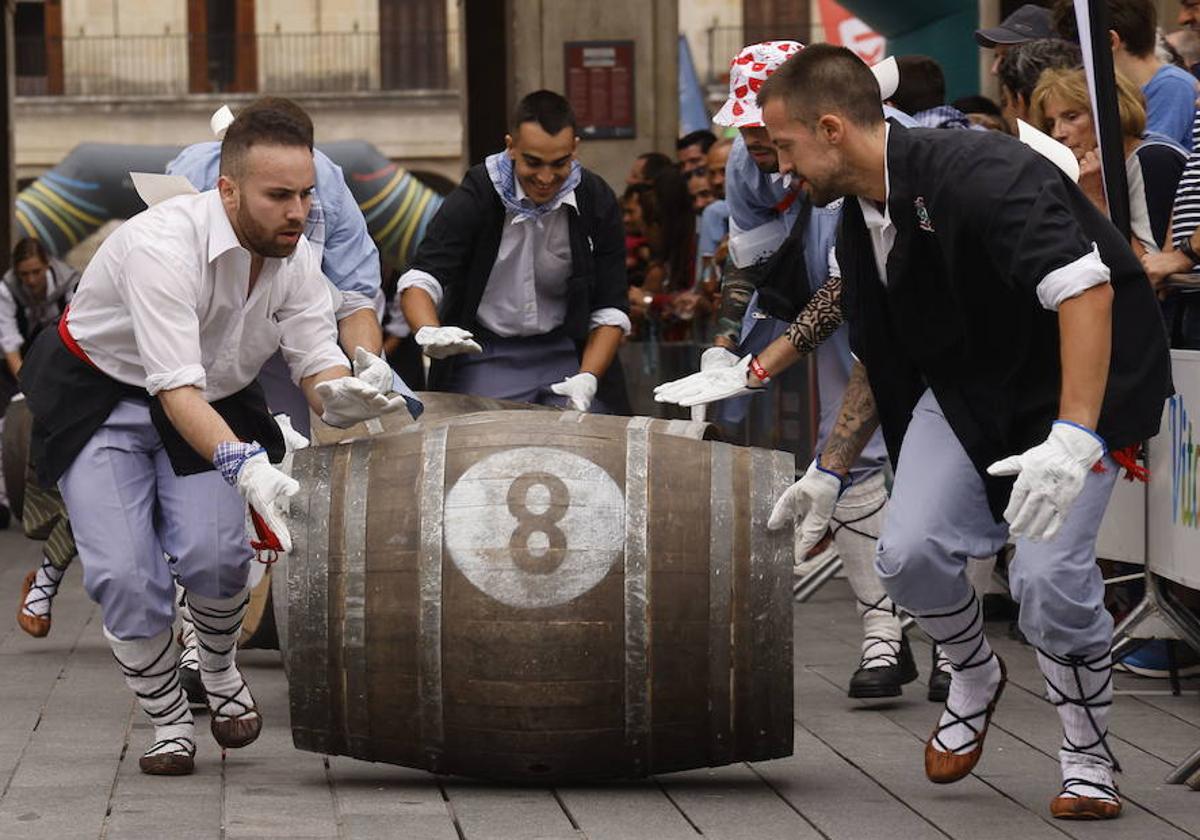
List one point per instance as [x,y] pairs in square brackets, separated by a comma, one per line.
[481,527]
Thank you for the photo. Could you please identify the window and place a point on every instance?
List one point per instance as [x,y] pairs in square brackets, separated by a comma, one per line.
[222,48]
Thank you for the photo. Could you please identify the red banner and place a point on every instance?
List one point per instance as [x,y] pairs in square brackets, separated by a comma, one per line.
[844,29]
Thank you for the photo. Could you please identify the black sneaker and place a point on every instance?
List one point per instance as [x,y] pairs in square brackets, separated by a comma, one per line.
[885,680]
[189,678]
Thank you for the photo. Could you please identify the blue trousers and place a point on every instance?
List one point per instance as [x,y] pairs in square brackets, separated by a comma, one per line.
[938,517]
[128,509]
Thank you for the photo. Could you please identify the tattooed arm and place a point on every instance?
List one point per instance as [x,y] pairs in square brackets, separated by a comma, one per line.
[818,320]
[856,423]
[737,288]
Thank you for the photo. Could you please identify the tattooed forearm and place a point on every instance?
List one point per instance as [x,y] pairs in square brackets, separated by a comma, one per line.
[819,319]
[736,290]
[856,423]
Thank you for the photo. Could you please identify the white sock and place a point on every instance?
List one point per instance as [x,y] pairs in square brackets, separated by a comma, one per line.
[190,657]
[856,524]
[1081,690]
[975,673]
[218,622]
[45,586]
[149,669]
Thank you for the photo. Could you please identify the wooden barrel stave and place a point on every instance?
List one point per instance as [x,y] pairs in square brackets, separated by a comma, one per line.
[383,691]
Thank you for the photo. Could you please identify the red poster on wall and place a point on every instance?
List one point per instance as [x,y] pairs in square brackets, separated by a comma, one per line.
[844,29]
[600,87]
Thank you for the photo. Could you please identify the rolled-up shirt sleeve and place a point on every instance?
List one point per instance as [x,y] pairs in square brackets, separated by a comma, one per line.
[415,278]
[352,302]
[163,309]
[1073,279]
[307,328]
[610,316]
[10,332]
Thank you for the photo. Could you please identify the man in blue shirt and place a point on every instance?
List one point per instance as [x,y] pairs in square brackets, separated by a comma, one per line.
[1170,91]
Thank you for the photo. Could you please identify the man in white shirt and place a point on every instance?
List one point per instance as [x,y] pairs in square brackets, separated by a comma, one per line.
[183,304]
[518,290]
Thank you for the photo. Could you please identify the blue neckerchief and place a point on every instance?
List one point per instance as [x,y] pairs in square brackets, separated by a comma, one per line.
[500,169]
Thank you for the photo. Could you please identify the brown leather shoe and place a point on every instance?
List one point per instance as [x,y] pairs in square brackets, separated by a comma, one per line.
[943,767]
[37,626]
[1064,807]
[237,732]
[170,763]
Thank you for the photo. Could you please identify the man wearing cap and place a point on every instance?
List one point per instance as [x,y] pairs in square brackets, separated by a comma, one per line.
[760,198]
[518,290]
[1028,23]
[1009,419]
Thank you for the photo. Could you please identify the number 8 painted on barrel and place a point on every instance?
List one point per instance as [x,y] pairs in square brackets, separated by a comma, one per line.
[531,523]
[534,526]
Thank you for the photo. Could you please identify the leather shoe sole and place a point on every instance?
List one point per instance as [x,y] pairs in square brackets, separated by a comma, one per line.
[37,626]
[885,681]
[944,768]
[232,733]
[167,764]
[1064,807]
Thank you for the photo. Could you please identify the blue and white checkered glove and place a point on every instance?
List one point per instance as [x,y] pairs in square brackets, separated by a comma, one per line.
[265,489]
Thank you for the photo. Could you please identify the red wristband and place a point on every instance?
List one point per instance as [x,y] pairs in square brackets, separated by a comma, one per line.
[760,372]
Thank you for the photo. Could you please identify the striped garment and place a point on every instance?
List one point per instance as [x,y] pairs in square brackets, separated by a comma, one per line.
[1185,217]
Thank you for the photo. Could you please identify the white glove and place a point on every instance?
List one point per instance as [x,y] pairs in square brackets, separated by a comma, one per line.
[267,490]
[348,400]
[711,359]
[292,440]
[715,383]
[373,370]
[581,388]
[809,503]
[1050,477]
[440,342]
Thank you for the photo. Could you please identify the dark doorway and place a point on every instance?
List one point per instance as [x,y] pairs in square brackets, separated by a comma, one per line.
[485,59]
[37,35]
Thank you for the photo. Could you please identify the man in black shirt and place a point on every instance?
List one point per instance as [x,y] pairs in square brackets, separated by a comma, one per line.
[1003,328]
[518,290]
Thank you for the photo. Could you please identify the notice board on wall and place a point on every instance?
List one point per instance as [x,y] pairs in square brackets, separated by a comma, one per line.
[599,81]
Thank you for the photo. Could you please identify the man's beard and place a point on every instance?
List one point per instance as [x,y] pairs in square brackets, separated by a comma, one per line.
[259,240]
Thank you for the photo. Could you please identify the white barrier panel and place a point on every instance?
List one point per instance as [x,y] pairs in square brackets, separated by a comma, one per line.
[1123,532]
[1174,502]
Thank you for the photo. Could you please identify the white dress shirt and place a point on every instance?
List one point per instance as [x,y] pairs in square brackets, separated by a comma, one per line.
[164,304]
[1064,283]
[526,292]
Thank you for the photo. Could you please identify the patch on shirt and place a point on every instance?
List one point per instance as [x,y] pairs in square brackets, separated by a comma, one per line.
[923,220]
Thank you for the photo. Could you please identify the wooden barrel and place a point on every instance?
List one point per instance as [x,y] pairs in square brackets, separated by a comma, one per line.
[18,423]
[439,405]
[531,599]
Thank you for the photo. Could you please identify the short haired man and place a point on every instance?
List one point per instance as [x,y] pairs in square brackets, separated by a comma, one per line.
[525,262]
[1028,23]
[691,148]
[1021,68]
[1048,354]
[1170,91]
[147,416]
[714,220]
[759,196]
[337,233]
[646,167]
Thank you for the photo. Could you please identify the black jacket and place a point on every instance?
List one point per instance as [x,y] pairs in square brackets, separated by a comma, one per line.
[980,220]
[463,240]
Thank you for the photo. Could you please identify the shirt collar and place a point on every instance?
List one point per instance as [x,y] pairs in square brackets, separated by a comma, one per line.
[568,200]
[871,214]
[221,237]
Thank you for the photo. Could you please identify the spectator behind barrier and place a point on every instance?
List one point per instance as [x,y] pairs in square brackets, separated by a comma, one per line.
[1021,68]
[982,111]
[922,94]
[691,149]
[646,167]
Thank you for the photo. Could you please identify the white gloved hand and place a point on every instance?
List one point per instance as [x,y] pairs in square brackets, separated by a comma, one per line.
[716,383]
[267,490]
[348,400]
[373,370]
[292,440]
[580,388]
[1050,477]
[809,504]
[717,357]
[440,342]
